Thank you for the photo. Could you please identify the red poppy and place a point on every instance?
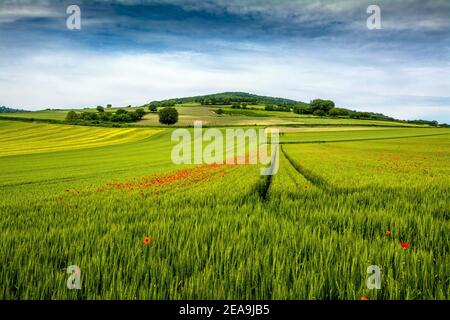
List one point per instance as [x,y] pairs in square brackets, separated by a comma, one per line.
[388,232]
[364,298]
[147,240]
[405,245]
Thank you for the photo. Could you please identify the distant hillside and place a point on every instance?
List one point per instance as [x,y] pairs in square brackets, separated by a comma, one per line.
[228,98]
[4,109]
[317,107]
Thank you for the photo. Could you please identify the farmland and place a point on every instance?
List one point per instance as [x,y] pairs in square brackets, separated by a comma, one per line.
[37,138]
[192,112]
[212,233]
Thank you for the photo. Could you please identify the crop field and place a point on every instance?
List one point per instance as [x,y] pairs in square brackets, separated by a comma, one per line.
[39,115]
[340,134]
[111,201]
[29,138]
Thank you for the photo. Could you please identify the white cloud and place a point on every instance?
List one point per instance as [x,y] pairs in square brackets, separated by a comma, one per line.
[79,79]
[13,13]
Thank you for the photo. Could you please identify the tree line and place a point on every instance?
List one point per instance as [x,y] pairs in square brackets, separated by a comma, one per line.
[323,108]
[119,116]
[4,109]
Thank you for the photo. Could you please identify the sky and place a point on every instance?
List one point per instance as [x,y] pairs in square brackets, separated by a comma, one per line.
[136,51]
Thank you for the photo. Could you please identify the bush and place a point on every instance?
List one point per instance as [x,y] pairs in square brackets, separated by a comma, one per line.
[121,117]
[284,108]
[88,116]
[319,113]
[100,109]
[336,112]
[153,107]
[219,111]
[303,109]
[104,116]
[168,116]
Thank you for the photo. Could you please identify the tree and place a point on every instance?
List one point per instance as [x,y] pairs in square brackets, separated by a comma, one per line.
[100,109]
[121,111]
[109,106]
[219,111]
[168,115]
[72,116]
[153,107]
[324,105]
[167,103]
[140,113]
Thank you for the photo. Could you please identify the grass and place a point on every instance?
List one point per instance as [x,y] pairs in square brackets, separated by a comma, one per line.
[319,224]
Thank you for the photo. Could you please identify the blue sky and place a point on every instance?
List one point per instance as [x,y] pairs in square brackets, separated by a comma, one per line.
[136,51]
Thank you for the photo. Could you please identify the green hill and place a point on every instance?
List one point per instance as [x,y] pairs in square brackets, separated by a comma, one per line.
[227,98]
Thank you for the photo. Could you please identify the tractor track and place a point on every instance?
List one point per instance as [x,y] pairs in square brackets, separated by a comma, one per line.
[317,180]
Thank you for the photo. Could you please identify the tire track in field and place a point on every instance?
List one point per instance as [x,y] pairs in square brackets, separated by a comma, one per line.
[265,181]
[320,182]
[307,174]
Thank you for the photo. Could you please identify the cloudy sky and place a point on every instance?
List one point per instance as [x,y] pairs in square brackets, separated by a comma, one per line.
[136,51]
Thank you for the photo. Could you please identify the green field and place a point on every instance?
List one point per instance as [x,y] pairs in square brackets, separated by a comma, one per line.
[29,138]
[52,114]
[88,196]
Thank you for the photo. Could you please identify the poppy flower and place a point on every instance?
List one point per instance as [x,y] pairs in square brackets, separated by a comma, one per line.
[405,245]
[147,240]
[364,298]
[388,232]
